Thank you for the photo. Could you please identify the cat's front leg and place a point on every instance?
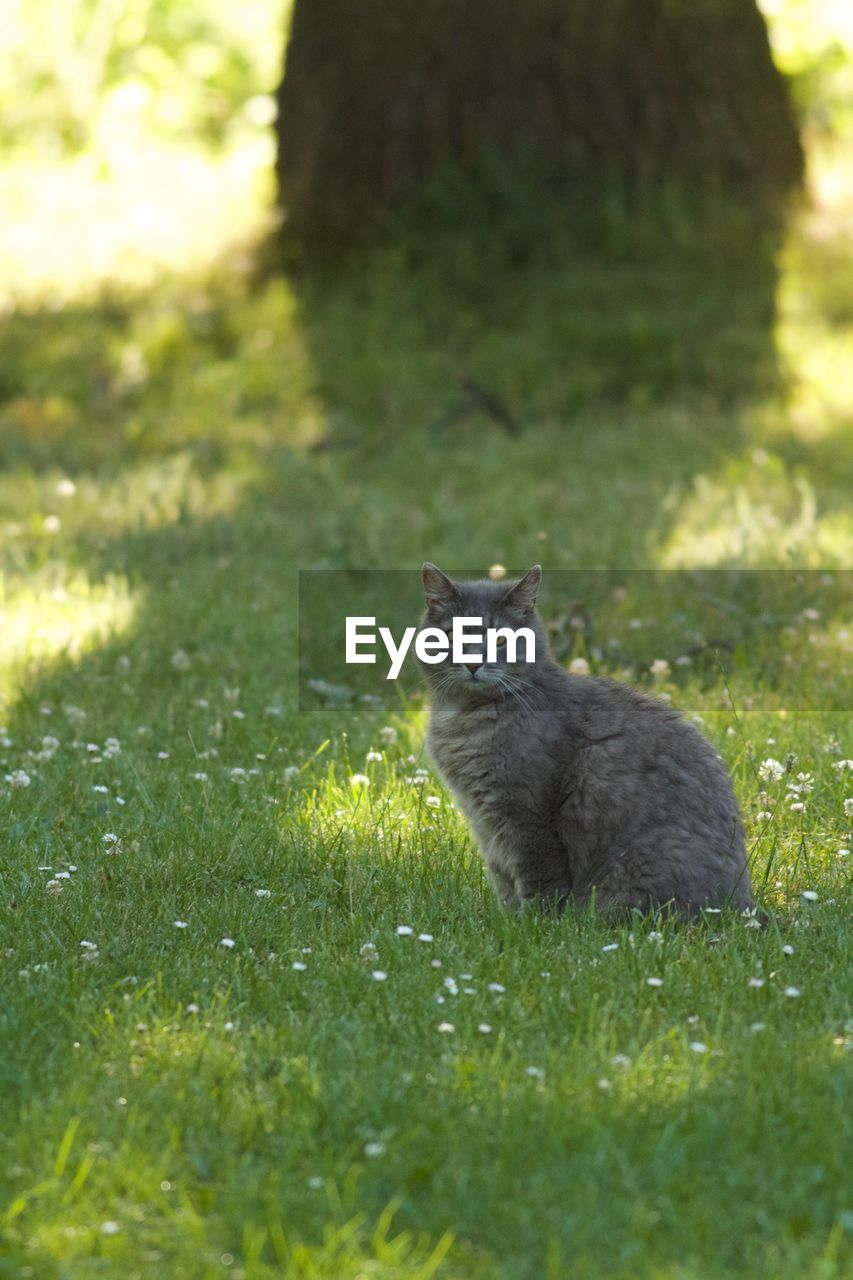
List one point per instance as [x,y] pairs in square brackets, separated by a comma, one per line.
[503,885]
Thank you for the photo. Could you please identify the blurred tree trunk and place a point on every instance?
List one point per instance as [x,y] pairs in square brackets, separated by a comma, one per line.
[381,97]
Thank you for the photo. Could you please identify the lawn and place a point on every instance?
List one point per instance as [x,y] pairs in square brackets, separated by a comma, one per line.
[260,1014]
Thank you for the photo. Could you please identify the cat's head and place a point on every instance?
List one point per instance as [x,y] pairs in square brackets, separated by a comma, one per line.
[502,606]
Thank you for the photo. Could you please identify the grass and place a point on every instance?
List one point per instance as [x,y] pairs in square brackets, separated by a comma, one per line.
[175,448]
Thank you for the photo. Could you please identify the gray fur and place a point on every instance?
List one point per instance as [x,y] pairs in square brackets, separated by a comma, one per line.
[577,788]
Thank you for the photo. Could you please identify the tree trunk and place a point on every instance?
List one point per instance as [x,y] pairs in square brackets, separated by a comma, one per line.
[383,97]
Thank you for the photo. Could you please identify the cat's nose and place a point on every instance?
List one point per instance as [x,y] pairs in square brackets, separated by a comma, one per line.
[473,667]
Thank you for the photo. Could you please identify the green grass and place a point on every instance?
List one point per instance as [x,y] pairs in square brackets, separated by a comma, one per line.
[234,1115]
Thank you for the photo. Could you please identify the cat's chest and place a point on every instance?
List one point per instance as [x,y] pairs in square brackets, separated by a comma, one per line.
[477,755]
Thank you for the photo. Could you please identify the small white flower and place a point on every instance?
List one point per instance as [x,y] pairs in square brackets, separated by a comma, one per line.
[763,815]
[101,789]
[497,987]
[579,667]
[54,888]
[654,982]
[315,1183]
[181,924]
[110,1228]
[450,985]
[842,853]
[238,775]
[109,837]
[192,1008]
[446,1027]
[379,975]
[788,950]
[659,668]
[843,766]
[756,1026]
[425,937]
[696,1046]
[791,992]
[620,1060]
[228,942]
[756,982]
[66,488]
[162,755]
[388,735]
[263,893]
[848,806]
[291,773]
[369,953]
[484,1028]
[611,946]
[536,1073]
[434,802]
[181,660]
[771,770]
[18,778]
[604,1085]
[359,780]
[373,1149]
[52,524]
[299,966]
[436,964]
[404,931]
[808,895]
[374,757]
[201,776]
[798,807]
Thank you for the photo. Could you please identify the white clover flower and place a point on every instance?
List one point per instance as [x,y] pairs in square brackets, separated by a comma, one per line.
[369,953]
[263,893]
[228,942]
[696,1046]
[373,1149]
[379,975]
[756,1026]
[497,987]
[654,982]
[110,1228]
[756,983]
[359,780]
[763,815]
[434,802]
[109,837]
[201,776]
[604,1085]
[771,770]
[112,748]
[181,924]
[843,766]
[192,1008]
[374,757]
[536,1073]
[787,950]
[848,807]
[388,735]
[299,966]
[808,895]
[611,946]
[291,773]
[791,992]
[427,937]
[238,775]
[660,668]
[446,1028]
[436,964]
[579,667]
[404,931]
[54,888]
[181,660]
[18,778]
[620,1060]
[484,1028]
[450,984]
[798,807]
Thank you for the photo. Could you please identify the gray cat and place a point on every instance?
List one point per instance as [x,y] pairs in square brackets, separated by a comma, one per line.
[577,788]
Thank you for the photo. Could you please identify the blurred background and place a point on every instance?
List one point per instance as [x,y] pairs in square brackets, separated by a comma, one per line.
[576,293]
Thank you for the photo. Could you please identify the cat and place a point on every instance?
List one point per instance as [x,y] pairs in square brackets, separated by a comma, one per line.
[578,789]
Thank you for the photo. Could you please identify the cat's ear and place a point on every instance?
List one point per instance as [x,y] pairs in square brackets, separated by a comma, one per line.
[523,595]
[440,591]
